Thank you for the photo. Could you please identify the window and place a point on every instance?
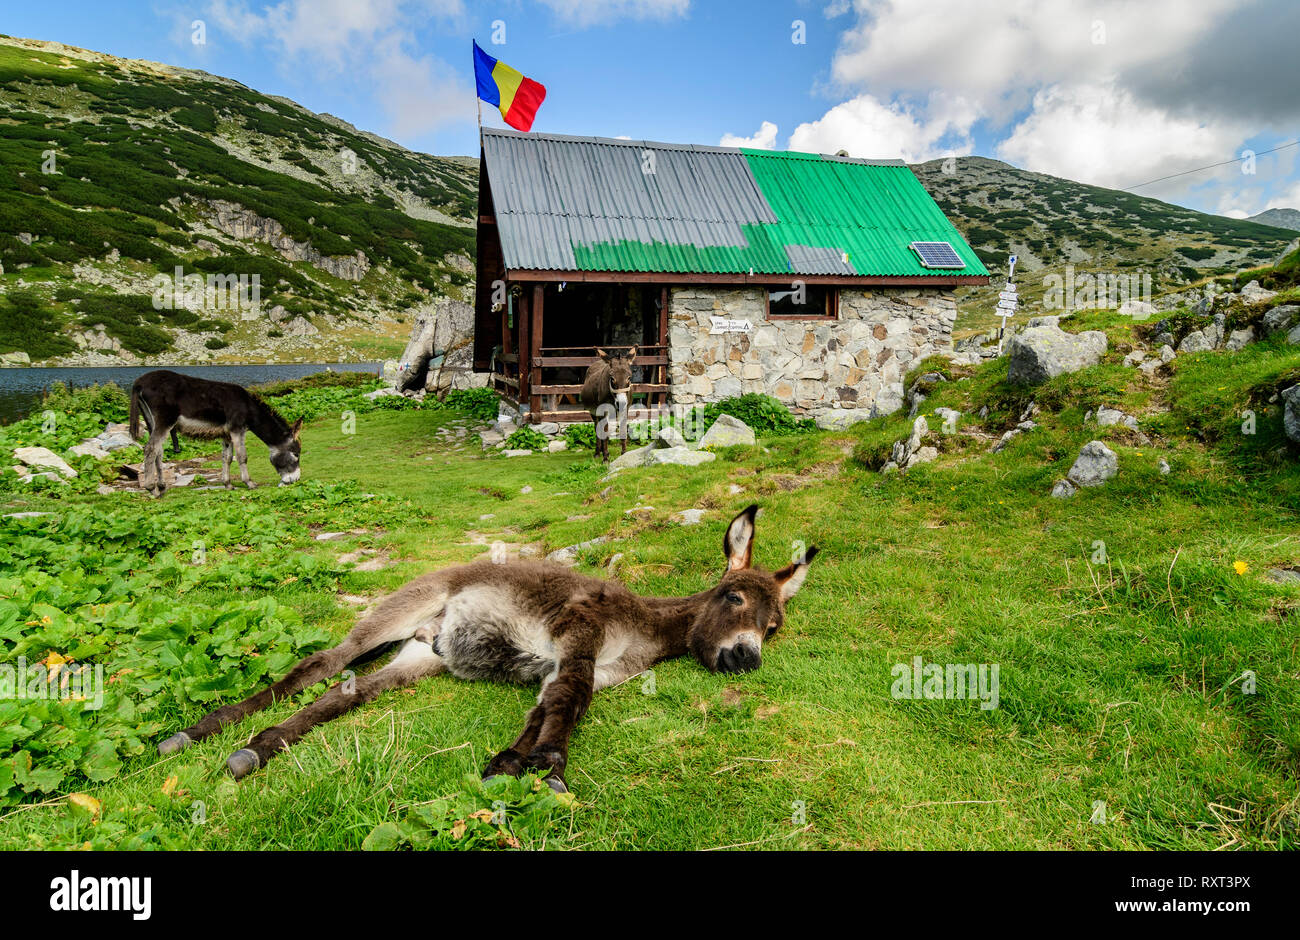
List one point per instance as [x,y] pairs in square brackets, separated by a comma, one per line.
[803,302]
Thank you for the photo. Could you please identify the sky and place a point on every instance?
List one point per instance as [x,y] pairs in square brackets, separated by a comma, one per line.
[1110,92]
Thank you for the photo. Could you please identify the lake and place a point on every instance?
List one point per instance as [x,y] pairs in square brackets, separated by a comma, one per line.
[21,389]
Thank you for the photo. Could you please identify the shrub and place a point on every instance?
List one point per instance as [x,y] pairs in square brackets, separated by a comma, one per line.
[580,434]
[215,343]
[481,403]
[760,412]
[527,438]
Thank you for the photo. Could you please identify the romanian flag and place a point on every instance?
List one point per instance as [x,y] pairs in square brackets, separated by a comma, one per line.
[517,97]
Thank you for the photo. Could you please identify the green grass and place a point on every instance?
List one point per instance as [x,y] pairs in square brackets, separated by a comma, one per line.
[1120,679]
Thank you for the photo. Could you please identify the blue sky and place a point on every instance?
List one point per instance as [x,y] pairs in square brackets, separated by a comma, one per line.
[1106,92]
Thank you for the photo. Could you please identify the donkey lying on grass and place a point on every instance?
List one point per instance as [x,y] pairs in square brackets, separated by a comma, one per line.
[526,621]
[604,391]
[199,408]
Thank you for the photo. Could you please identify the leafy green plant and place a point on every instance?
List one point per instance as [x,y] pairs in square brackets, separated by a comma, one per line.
[502,813]
[760,412]
[481,403]
[527,438]
[579,435]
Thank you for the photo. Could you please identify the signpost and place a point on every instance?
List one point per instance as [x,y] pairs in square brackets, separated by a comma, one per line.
[725,325]
[1007,300]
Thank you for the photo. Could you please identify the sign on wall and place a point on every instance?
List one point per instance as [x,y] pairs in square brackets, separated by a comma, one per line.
[726,325]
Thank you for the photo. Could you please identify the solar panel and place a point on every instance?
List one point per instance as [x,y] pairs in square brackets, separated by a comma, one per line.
[937,255]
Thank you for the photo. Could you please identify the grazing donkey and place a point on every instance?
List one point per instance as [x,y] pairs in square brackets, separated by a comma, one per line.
[606,386]
[525,621]
[199,408]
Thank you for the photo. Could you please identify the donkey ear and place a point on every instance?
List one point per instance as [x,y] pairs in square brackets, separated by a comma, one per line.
[631,353]
[791,578]
[738,543]
[297,426]
[602,354]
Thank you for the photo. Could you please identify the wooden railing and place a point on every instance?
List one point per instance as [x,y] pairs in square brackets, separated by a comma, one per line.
[552,400]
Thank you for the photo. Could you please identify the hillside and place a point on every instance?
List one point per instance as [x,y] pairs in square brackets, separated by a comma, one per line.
[1281,218]
[1051,222]
[115,171]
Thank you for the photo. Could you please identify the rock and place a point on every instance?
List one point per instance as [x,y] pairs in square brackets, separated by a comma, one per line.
[548,428]
[104,489]
[491,438]
[1019,429]
[89,448]
[1137,309]
[1052,320]
[636,457]
[17,358]
[1284,575]
[1167,354]
[569,554]
[25,515]
[555,447]
[1108,416]
[948,416]
[1239,338]
[1150,366]
[1291,413]
[1063,489]
[1164,467]
[45,458]
[728,431]
[1197,341]
[679,456]
[690,516]
[518,453]
[526,489]
[331,536]
[1252,293]
[1096,464]
[670,437]
[1280,318]
[1043,352]
[1133,358]
[612,565]
[381,393]
[841,418]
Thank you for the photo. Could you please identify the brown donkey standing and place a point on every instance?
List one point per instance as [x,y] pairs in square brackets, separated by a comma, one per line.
[525,621]
[604,391]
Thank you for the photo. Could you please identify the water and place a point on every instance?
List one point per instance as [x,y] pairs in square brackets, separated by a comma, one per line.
[21,389]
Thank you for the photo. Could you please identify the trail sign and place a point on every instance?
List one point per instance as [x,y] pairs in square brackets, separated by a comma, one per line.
[725,325]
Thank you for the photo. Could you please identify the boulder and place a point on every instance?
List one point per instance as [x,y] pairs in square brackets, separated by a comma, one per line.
[1044,352]
[44,458]
[670,437]
[441,347]
[89,448]
[1108,416]
[18,358]
[680,456]
[636,457]
[1197,341]
[1280,318]
[554,447]
[690,516]
[1063,489]
[1239,338]
[1290,413]
[728,431]
[1096,464]
[1252,293]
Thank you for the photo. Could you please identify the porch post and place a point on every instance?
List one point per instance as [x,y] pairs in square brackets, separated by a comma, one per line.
[522,315]
[535,351]
[663,342]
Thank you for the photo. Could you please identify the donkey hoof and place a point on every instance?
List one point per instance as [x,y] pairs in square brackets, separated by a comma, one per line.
[177,742]
[242,763]
[556,784]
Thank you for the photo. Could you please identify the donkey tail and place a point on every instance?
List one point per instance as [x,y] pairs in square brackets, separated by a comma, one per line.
[139,406]
[135,412]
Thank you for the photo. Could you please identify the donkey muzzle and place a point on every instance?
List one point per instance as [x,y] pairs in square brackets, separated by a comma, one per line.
[742,657]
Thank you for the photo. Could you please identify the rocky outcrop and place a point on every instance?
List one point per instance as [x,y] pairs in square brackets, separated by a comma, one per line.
[1044,352]
[238,222]
[907,454]
[440,352]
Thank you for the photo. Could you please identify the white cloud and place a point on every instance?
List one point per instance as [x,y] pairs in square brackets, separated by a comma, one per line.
[366,42]
[867,127]
[765,139]
[1102,135]
[836,8]
[583,13]
[992,56]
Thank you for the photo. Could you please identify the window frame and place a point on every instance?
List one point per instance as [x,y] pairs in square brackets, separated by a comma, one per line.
[832,306]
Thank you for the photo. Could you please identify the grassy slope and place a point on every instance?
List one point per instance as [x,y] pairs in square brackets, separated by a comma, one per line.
[1116,679]
[135,145]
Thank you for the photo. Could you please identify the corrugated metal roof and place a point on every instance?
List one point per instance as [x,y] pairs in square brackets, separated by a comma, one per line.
[595,204]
